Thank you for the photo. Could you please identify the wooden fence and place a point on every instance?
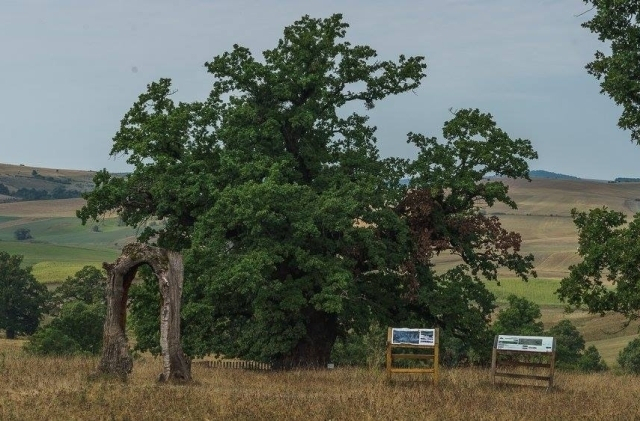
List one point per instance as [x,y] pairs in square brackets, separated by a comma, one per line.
[246,365]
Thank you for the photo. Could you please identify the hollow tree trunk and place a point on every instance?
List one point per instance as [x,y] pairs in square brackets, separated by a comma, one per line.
[167,266]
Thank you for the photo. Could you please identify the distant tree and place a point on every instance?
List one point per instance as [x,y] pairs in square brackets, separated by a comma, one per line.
[521,317]
[629,357]
[31,194]
[145,307]
[616,22]
[23,300]
[22,234]
[591,361]
[61,193]
[569,344]
[4,190]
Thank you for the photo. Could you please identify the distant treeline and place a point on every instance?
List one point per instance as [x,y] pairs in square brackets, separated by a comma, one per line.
[34,194]
[626,180]
[35,174]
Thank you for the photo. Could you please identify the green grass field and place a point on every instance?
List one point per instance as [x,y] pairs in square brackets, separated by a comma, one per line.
[62,245]
[540,291]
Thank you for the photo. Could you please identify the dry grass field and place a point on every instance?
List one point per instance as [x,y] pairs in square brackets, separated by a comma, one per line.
[35,209]
[63,389]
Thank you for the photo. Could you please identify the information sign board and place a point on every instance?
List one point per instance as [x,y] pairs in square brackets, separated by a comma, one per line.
[525,343]
[405,336]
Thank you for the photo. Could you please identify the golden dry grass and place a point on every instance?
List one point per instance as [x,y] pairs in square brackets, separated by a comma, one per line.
[61,389]
[41,209]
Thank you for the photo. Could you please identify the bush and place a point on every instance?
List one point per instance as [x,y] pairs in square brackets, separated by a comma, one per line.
[22,234]
[591,361]
[569,344]
[368,349]
[629,357]
[78,329]
[89,285]
[455,352]
[51,341]
[570,351]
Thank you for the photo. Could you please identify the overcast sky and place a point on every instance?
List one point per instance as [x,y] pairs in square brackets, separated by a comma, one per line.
[70,69]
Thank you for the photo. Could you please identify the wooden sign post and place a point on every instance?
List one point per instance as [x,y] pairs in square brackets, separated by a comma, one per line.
[422,339]
[524,348]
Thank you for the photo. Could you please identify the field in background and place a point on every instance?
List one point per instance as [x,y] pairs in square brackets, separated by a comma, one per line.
[61,389]
[61,245]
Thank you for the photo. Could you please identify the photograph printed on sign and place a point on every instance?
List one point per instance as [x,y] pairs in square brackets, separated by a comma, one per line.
[405,336]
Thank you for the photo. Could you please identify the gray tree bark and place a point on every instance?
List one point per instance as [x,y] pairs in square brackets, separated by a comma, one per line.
[168,268]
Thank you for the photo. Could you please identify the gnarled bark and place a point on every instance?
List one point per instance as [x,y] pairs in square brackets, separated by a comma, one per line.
[167,266]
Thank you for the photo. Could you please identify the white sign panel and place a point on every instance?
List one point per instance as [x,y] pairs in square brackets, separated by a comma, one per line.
[525,343]
[405,336]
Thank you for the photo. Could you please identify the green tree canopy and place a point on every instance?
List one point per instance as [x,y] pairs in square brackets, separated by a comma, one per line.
[88,285]
[294,229]
[569,344]
[78,310]
[629,357]
[77,329]
[22,299]
[608,277]
[618,23]
[522,317]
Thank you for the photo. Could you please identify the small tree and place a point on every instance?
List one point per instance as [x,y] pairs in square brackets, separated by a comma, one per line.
[591,361]
[87,285]
[522,317]
[22,234]
[569,344]
[629,357]
[78,329]
[22,299]
[80,306]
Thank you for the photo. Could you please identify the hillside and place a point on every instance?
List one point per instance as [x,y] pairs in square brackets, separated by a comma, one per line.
[17,179]
[543,217]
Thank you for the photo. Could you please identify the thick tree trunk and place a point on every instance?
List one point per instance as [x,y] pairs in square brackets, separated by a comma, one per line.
[116,358]
[10,333]
[314,351]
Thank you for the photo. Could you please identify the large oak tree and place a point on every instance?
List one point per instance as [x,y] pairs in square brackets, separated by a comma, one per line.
[294,230]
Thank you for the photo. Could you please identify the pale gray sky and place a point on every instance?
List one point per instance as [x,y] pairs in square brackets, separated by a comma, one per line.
[70,69]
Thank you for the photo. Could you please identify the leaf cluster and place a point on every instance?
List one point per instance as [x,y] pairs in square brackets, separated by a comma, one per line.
[618,23]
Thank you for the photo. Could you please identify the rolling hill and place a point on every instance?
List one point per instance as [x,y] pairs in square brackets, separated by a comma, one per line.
[61,245]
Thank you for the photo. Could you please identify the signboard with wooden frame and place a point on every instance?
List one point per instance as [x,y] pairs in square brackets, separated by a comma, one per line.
[425,344]
[523,351]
